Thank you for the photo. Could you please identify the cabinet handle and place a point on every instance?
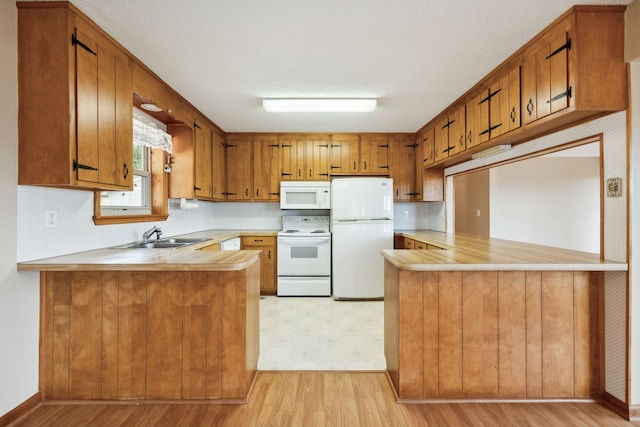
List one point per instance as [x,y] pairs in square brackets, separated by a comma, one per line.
[397,193]
[299,172]
[461,141]
[470,137]
[126,170]
[530,107]
[269,256]
[246,192]
[257,192]
[513,114]
[365,165]
[197,188]
[354,165]
[310,174]
[214,190]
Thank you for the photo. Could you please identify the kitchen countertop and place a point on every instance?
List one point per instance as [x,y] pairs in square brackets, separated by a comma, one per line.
[466,252]
[179,259]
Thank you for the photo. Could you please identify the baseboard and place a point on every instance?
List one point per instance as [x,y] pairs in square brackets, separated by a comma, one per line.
[634,413]
[616,405]
[22,409]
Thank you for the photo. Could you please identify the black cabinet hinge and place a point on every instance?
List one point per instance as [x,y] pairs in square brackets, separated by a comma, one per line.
[76,42]
[77,166]
[567,46]
[566,93]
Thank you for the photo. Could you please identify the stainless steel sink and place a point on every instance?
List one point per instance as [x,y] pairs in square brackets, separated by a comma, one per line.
[168,243]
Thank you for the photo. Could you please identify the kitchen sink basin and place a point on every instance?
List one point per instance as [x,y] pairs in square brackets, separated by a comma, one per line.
[168,243]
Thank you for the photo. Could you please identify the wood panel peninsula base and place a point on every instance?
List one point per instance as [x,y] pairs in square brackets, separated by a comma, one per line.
[145,332]
[481,321]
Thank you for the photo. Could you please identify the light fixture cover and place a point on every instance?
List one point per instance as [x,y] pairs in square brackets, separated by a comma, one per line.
[319,105]
[491,151]
[151,107]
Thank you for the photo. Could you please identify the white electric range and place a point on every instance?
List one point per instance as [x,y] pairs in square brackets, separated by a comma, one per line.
[304,256]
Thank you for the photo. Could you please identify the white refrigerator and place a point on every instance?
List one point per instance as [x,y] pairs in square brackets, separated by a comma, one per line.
[361,226]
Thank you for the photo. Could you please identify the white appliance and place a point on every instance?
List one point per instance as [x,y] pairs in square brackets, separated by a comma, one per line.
[305,195]
[361,226]
[232,244]
[304,256]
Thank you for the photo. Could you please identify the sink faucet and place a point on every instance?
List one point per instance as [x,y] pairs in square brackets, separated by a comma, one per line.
[150,232]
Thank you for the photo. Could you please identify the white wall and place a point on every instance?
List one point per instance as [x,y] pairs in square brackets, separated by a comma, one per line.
[553,201]
[19,292]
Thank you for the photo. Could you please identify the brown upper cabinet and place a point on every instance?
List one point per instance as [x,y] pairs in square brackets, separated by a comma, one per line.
[239,167]
[197,162]
[495,110]
[266,168]
[75,112]
[374,154]
[345,154]
[317,157]
[572,71]
[450,134]
[403,155]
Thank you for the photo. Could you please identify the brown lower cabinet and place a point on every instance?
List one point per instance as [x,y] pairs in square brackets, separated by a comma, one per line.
[268,262]
[149,335]
[493,334]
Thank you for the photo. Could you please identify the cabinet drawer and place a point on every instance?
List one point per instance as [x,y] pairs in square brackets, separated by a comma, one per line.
[419,245]
[432,247]
[409,243]
[258,241]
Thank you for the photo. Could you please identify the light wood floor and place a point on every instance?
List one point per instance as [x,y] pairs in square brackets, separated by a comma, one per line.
[325,399]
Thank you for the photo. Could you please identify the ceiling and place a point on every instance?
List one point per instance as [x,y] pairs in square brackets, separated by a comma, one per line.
[415,56]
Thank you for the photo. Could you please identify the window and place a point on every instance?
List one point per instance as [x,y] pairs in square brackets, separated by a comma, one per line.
[148,199]
[137,201]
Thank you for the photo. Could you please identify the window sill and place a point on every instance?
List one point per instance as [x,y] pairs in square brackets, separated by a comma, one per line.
[125,219]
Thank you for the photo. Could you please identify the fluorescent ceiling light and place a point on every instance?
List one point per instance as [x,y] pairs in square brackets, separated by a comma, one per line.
[491,151]
[319,105]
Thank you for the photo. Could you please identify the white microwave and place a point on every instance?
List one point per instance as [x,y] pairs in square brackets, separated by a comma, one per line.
[305,195]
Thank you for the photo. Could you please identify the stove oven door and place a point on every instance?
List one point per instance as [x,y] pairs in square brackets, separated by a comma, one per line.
[304,256]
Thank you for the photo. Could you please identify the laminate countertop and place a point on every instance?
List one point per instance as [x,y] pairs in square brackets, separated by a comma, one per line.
[466,252]
[186,258]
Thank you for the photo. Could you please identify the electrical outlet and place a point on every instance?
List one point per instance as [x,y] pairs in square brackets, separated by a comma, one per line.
[50,219]
[405,214]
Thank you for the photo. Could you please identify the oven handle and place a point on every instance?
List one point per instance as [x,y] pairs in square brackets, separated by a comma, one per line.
[296,241]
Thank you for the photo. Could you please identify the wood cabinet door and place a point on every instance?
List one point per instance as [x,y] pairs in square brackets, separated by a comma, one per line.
[427,148]
[374,154]
[88,162]
[441,141]
[239,167]
[513,108]
[203,180]
[529,96]
[293,157]
[104,87]
[457,141]
[560,92]
[218,163]
[344,153]
[545,85]
[318,166]
[402,166]
[268,262]
[266,167]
